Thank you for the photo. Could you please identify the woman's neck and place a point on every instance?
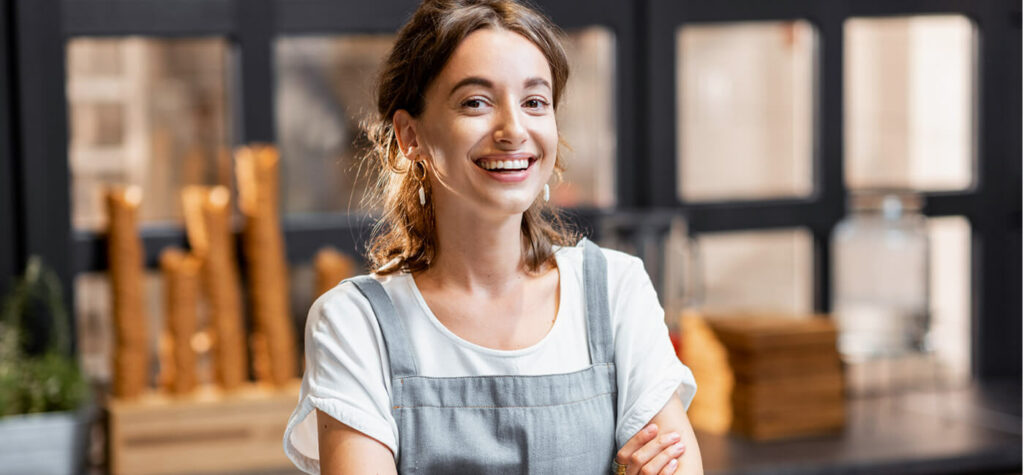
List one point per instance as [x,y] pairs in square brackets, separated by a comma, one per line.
[477,255]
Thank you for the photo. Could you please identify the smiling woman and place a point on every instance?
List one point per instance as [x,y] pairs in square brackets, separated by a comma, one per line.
[486,340]
[498,114]
[421,94]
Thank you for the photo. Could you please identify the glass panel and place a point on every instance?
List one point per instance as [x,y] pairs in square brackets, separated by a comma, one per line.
[325,88]
[909,95]
[148,112]
[744,110]
[758,271]
[586,121]
[95,325]
[302,287]
[950,295]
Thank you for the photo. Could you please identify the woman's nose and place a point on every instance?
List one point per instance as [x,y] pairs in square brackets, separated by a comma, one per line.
[509,131]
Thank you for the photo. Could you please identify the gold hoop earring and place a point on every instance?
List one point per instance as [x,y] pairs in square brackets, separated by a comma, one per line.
[421,178]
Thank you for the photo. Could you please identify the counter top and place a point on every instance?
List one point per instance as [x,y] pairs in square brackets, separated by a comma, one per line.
[964,430]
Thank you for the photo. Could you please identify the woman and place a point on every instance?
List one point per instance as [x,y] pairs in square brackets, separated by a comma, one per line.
[485,341]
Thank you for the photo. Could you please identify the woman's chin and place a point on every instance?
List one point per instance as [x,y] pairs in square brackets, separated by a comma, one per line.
[508,204]
[489,203]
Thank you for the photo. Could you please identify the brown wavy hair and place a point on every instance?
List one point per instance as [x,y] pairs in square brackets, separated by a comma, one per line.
[405,237]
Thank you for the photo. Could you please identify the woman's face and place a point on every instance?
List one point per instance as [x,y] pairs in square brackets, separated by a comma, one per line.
[488,125]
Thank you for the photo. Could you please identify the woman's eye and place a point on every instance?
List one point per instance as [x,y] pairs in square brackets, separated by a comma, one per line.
[473,103]
[535,104]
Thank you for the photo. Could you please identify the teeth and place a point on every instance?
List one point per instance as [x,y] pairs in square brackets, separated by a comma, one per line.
[505,164]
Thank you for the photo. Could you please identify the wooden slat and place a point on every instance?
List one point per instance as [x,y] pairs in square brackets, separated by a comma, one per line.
[207,432]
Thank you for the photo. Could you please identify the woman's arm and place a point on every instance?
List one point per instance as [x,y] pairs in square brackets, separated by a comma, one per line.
[345,451]
[672,418]
[650,450]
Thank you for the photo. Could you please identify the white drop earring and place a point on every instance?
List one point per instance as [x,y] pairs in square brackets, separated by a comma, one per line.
[547,192]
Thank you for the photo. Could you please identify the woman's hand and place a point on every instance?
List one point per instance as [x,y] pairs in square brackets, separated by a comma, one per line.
[649,453]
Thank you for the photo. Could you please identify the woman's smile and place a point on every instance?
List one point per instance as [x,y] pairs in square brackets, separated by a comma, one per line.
[507,168]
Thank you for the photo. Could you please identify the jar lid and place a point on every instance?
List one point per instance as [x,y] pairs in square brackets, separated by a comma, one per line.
[887,200]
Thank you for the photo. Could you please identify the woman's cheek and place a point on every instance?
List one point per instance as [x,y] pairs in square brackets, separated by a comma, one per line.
[550,140]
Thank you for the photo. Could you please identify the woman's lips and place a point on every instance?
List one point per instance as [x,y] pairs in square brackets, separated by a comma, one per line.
[506,175]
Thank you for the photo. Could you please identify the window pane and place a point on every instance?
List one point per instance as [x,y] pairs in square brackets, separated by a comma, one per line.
[909,92]
[950,295]
[145,112]
[744,110]
[95,320]
[325,88]
[758,271]
[587,122]
[302,287]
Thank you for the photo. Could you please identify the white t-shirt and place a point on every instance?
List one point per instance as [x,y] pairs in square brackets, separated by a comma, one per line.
[348,376]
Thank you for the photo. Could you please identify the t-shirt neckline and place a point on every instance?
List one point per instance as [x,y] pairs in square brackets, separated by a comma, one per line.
[559,316]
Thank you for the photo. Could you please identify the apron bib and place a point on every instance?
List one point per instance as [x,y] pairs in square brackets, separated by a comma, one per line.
[556,423]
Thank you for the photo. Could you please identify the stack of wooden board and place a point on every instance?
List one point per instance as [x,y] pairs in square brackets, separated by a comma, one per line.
[766,377]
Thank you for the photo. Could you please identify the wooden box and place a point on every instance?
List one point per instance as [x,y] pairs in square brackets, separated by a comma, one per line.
[206,432]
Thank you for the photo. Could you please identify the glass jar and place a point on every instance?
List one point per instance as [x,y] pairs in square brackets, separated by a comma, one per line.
[880,276]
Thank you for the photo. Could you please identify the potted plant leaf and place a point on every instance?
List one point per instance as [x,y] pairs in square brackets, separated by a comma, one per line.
[43,396]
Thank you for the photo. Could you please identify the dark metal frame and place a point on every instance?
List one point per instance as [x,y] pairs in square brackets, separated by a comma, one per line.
[36,203]
[34,198]
[10,247]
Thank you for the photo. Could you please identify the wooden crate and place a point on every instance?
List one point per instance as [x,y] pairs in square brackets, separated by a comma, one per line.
[206,432]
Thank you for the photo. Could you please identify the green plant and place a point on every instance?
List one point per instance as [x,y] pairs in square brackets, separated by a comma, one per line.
[52,380]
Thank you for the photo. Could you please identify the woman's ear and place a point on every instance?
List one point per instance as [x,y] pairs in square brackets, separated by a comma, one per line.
[405,132]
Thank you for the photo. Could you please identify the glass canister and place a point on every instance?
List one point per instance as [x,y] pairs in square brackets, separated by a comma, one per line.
[880,276]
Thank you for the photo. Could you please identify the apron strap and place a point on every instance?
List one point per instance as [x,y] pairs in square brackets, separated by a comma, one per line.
[396,339]
[595,290]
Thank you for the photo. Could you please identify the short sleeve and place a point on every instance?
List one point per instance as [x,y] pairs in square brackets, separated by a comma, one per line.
[345,376]
[648,371]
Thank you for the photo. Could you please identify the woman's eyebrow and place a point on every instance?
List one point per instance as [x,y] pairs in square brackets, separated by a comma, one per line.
[479,81]
[536,82]
[472,81]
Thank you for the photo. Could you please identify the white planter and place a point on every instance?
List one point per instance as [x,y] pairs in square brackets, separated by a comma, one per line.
[43,444]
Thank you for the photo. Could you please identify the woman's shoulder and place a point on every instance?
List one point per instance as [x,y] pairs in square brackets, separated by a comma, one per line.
[618,263]
[345,301]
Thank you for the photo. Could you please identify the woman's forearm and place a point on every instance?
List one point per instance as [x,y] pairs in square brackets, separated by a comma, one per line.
[672,418]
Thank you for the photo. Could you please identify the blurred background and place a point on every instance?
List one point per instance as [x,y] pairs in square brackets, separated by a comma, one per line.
[852,164]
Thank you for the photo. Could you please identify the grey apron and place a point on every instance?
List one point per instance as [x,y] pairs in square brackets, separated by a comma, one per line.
[557,423]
